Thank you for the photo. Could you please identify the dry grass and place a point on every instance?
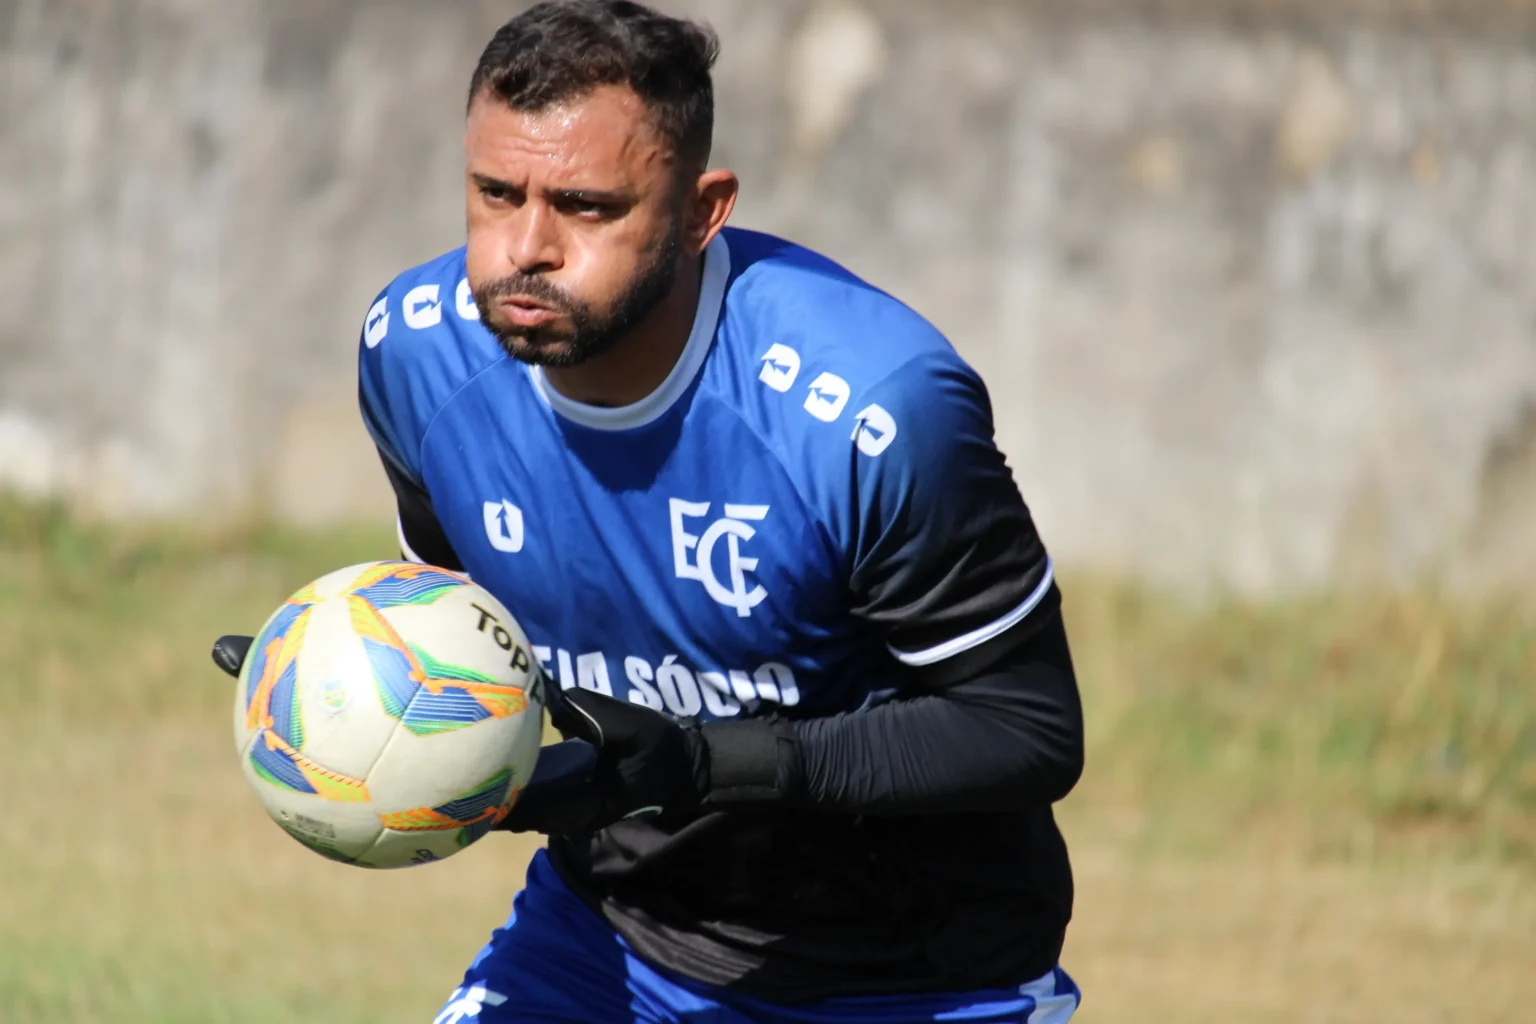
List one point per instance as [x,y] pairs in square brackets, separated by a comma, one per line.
[1320,812]
[148,886]
[1285,938]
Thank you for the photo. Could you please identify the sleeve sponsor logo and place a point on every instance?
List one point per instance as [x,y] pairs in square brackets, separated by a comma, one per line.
[376,324]
[874,430]
[827,396]
[464,302]
[781,365]
[422,307]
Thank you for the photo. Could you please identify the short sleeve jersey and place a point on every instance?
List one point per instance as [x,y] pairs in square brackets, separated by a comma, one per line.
[808,516]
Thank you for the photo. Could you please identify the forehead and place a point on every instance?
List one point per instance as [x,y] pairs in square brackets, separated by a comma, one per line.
[606,133]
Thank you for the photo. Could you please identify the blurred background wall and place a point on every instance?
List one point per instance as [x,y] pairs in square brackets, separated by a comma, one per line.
[1252,283]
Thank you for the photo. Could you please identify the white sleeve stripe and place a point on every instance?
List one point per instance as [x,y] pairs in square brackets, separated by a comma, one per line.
[977,637]
[405,545]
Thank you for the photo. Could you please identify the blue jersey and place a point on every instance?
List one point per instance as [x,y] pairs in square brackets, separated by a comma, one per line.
[767,527]
[809,516]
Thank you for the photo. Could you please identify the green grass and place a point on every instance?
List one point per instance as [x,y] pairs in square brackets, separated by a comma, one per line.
[118,621]
[1364,724]
[142,881]
[1371,759]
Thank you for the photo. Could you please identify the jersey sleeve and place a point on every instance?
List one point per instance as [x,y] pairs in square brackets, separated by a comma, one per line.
[398,393]
[384,398]
[946,560]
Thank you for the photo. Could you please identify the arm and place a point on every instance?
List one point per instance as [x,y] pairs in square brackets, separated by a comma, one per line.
[1007,739]
[948,565]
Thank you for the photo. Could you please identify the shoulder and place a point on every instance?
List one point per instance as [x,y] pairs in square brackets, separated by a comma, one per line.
[824,362]
[421,341]
[425,325]
[889,433]
[781,292]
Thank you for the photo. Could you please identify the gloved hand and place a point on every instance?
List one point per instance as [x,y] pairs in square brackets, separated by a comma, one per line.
[229,652]
[619,760]
[648,765]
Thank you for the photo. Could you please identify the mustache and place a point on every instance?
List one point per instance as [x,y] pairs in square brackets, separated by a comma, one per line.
[524,286]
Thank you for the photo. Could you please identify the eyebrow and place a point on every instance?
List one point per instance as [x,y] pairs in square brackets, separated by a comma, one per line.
[486,181]
[599,197]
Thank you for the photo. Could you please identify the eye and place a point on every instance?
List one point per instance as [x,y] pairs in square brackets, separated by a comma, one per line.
[495,193]
[584,208]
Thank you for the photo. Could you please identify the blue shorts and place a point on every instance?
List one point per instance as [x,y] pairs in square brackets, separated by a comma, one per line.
[556,961]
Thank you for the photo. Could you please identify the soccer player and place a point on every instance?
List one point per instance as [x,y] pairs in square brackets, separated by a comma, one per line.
[750,512]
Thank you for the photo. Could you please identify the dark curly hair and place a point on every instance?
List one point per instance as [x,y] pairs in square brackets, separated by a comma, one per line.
[564,49]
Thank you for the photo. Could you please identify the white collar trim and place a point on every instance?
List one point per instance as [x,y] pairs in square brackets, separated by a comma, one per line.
[717,271]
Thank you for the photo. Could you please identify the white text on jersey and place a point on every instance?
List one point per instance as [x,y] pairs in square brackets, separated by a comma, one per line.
[672,686]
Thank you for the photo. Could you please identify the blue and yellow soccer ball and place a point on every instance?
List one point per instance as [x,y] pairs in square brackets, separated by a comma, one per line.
[388,714]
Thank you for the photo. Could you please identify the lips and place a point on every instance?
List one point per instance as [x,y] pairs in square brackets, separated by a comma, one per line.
[527,313]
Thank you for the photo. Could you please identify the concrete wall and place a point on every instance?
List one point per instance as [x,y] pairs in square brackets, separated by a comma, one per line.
[1255,295]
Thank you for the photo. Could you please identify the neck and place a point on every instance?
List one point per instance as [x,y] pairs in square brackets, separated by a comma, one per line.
[639,362]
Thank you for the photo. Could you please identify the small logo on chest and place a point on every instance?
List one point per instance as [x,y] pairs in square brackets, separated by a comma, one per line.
[504,526]
[693,555]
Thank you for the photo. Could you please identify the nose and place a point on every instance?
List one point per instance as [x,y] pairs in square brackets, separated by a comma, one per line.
[533,246]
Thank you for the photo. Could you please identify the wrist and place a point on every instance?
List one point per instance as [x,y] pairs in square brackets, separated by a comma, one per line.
[753,761]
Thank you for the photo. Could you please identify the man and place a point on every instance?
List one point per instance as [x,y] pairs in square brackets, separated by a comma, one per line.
[750,510]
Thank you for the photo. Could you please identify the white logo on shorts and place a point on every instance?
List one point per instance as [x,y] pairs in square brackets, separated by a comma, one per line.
[466,1004]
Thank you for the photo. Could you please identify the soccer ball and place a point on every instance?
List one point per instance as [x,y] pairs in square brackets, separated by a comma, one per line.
[388,714]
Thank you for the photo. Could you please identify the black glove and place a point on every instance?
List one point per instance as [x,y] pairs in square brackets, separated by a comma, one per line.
[648,765]
[229,652]
[559,798]
[652,766]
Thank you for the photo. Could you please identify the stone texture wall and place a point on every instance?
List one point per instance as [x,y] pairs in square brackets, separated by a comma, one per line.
[1252,284]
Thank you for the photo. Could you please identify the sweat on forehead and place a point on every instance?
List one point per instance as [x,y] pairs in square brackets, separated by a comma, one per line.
[609,116]
[603,143]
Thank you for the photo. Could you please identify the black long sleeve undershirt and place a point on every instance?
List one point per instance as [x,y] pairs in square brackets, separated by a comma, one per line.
[1007,739]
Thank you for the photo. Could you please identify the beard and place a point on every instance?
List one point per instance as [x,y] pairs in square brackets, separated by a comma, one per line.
[584,331]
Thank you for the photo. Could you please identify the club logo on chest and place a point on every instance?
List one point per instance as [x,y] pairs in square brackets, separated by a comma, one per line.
[693,555]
